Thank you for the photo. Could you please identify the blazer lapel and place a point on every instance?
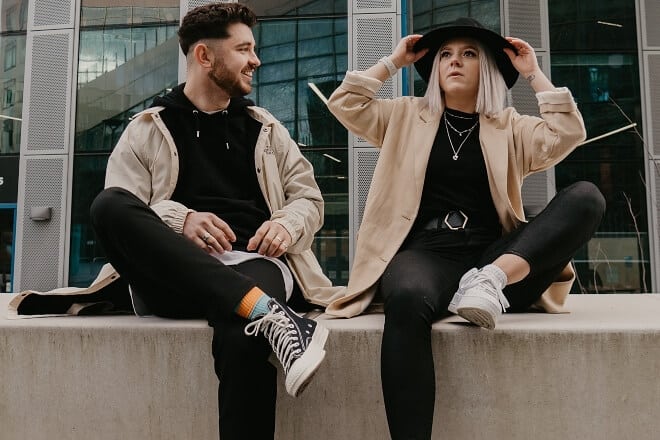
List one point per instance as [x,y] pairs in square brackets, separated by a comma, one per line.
[427,128]
[494,146]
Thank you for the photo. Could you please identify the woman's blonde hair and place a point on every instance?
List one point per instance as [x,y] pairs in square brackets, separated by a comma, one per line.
[491,95]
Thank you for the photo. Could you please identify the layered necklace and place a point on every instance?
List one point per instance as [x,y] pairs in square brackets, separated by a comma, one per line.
[449,125]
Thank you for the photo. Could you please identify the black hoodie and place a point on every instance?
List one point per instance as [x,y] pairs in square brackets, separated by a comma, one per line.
[216,162]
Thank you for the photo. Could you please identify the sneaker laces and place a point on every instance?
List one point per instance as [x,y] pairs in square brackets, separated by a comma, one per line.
[486,283]
[280,332]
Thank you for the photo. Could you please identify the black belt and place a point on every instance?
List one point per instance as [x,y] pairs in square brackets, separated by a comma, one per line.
[453,220]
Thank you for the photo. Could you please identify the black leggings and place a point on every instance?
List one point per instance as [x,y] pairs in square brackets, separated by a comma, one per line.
[177,279]
[421,279]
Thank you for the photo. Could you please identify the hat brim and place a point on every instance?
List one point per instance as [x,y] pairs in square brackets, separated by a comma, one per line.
[495,43]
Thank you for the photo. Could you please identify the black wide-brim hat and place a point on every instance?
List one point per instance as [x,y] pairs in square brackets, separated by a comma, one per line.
[469,28]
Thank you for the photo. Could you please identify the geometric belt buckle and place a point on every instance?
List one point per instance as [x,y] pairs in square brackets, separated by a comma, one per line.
[456,228]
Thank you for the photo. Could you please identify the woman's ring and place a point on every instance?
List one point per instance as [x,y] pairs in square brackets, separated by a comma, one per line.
[278,238]
[206,237]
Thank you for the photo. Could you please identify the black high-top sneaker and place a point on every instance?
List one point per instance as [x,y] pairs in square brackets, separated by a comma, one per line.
[296,341]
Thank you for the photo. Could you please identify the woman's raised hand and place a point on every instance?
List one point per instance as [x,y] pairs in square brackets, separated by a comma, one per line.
[525,61]
[403,54]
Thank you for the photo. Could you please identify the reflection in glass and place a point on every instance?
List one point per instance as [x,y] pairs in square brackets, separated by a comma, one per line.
[594,53]
[13,31]
[128,55]
[294,53]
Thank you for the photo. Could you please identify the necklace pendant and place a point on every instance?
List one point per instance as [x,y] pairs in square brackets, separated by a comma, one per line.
[455,157]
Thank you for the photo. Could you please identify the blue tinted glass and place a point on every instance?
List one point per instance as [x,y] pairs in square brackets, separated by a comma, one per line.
[594,53]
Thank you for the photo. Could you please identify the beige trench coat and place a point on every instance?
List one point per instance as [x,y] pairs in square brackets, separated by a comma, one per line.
[513,146]
[145,162]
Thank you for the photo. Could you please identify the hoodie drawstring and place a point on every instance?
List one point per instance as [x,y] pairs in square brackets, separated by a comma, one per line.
[225,116]
[196,113]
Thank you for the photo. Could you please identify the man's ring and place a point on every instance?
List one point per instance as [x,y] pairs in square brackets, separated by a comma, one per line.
[278,238]
[206,237]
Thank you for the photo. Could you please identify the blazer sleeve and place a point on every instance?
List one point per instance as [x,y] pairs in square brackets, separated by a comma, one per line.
[543,142]
[354,104]
[130,167]
[302,210]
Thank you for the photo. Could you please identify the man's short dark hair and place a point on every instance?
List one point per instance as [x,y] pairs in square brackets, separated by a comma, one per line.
[211,21]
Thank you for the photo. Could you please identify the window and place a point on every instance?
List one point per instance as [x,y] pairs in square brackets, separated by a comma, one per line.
[594,53]
[10,55]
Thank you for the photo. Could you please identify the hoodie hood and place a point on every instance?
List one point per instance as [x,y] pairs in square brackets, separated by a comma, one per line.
[177,100]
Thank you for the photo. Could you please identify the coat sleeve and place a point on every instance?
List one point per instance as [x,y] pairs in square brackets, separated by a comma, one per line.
[302,210]
[544,142]
[354,104]
[130,167]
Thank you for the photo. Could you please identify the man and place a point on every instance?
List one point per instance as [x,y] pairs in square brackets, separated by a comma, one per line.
[210,211]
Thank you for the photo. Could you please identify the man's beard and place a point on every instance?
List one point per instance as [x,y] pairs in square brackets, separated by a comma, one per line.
[230,84]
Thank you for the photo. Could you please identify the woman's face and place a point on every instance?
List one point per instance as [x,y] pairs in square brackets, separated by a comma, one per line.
[459,69]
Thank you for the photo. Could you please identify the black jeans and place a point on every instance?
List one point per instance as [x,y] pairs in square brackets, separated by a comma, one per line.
[177,279]
[421,279]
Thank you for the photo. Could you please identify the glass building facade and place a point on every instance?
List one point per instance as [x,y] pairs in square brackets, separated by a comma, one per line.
[127,54]
[594,52]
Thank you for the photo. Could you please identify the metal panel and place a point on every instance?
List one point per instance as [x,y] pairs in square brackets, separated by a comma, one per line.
[51,14]
[527,20]
[652,67]
[40,248]
[363,165]
[374,6]
[187,5]
[48,86]
[373,37]
[650,14]
[654,221]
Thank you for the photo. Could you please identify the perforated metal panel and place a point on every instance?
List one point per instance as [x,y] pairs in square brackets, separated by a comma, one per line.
[654,222]
[51,14]
[41,247]
[191,4]
[537,191]
[48,91]
[373,6]
[374,36]
[650,20]
[526,19]
[653,96]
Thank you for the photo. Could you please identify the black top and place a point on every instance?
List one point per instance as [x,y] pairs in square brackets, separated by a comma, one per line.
[216,162]
[460,184]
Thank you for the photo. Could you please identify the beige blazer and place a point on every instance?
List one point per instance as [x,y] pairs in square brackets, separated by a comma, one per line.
[513,145]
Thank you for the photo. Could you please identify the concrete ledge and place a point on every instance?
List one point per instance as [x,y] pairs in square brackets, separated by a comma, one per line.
[591,374]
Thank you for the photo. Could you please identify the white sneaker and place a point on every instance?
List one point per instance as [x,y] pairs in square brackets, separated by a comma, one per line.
[296,341]
[479,299]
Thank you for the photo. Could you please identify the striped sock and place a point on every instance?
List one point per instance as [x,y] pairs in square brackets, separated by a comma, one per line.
[253,304]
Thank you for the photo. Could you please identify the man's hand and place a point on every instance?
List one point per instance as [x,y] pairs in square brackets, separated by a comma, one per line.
[208,232]
[271,240]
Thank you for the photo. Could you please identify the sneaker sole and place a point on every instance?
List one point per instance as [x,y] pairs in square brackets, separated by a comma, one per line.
[477,316]
[302,371]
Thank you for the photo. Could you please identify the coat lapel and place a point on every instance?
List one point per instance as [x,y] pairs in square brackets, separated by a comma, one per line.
[494,145]
[428,126]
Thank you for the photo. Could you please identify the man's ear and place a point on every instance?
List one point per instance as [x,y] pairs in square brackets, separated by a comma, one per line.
[202,54]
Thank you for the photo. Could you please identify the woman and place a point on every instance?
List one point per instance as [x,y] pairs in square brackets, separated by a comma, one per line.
[443,227]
